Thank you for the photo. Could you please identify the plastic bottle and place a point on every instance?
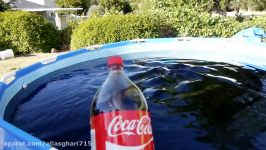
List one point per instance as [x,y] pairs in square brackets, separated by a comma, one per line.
[120,118]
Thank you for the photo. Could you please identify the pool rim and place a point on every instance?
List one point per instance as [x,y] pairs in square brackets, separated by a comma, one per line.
[249,54]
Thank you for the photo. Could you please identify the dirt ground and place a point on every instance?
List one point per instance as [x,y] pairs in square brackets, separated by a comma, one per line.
[10,65]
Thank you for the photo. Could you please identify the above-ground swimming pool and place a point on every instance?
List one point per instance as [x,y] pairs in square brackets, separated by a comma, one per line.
[203,93]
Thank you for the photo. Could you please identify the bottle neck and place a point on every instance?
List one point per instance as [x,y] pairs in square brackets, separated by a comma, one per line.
[116,67]
[117,77]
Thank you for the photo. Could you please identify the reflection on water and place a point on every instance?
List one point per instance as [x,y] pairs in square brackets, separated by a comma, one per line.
[194,104]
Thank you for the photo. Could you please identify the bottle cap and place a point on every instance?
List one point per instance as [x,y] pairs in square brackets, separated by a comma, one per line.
[115,60]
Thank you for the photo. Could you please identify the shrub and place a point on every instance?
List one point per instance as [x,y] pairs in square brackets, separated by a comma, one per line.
[259,22]
[258,5]
[116,5]
[115,28]
[26,32]
[65,38]
[192,23]
[65,34]
[160,23]
[199,5]
[96,10]
[4,6]
[142,5]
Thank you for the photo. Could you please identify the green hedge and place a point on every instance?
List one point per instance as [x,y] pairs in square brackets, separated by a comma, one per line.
[65,38]
[191,23]
[195,24]
[65,34]
[259,22]
[113,28]
[158,23]
[26,32]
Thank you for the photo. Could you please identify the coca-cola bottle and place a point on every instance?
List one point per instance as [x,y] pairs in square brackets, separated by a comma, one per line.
[120,118]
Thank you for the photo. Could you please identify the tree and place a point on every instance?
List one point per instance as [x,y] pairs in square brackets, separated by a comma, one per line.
[141,5]
[4,6]
[258,4]
[74,4]
[200,5]
[224,5]
[118,5]
[250,4]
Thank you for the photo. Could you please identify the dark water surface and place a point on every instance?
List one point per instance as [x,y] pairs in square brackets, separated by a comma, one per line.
[194,104]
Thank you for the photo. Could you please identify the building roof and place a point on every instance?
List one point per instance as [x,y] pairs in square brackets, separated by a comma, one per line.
[47,9]
[31,6]
[24,4]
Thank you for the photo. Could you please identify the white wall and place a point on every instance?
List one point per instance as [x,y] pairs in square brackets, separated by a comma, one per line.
[50,3]
[47,3]
[40,2]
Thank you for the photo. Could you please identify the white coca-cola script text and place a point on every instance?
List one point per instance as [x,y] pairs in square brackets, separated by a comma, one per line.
[118,126]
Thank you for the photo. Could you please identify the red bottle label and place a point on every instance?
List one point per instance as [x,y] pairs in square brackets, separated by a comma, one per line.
[122,130]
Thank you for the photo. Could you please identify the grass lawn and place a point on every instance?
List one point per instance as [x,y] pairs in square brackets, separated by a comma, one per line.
[10,65]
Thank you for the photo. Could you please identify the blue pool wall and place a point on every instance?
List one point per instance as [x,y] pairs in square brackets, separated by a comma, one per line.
[239,51]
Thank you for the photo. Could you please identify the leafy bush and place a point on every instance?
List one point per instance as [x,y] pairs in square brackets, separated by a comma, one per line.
[26,32]
[65,38]
[159,23]
[118,5]
[4,6]
[65,34]
[199,5]
[142,5]
[115,28]
[211,5]
[188,22]
[250,4]
[259,22]
[96,10]
[192,23]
